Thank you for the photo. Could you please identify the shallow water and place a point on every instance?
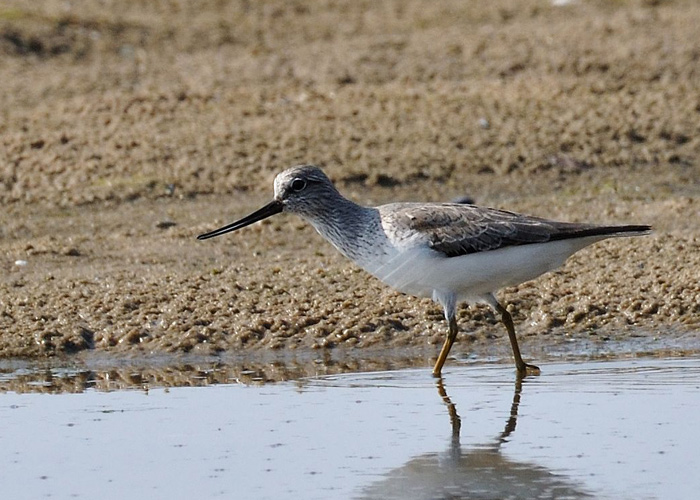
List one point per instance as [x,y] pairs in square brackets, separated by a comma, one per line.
[624,429]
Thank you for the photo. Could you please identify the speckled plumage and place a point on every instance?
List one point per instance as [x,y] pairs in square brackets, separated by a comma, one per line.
[448,251]
[458,229]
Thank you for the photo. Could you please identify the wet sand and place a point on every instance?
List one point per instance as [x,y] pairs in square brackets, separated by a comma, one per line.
[126,130]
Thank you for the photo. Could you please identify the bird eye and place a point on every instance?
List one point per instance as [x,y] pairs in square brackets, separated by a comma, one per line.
[298,185]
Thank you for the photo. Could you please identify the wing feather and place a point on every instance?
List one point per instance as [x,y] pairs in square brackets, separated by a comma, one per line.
[457,229]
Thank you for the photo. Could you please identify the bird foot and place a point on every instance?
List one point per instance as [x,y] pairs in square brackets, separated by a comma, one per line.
[526,370]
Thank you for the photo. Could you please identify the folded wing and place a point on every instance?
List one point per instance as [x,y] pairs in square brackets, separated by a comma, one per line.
[455,229]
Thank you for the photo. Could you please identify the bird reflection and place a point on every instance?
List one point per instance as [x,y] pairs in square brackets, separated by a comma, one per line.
[481,472]
[456,421]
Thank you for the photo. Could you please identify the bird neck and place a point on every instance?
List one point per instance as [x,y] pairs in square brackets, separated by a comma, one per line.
[347,225]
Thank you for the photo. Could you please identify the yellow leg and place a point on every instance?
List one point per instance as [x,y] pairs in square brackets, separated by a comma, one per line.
[522,367]
[451,336]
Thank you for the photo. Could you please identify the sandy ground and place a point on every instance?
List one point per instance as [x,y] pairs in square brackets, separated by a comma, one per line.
[128,129]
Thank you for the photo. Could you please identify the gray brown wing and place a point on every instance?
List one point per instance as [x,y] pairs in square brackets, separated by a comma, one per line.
[455,230]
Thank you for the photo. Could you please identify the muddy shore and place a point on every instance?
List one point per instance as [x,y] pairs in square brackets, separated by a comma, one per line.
[126,130]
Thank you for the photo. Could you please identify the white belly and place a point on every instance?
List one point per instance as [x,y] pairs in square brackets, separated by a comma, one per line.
[423,272]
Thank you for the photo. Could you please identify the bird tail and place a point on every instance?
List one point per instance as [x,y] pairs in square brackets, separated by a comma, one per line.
[609,231]
[627,230]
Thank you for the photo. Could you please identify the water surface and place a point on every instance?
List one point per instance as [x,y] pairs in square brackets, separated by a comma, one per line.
[624,429]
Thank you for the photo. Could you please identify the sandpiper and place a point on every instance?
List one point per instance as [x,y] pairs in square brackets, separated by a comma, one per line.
[449,252]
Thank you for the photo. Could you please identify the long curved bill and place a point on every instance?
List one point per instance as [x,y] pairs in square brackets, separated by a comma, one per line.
[272,208]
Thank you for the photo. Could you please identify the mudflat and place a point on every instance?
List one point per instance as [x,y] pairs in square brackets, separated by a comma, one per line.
[128,127]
